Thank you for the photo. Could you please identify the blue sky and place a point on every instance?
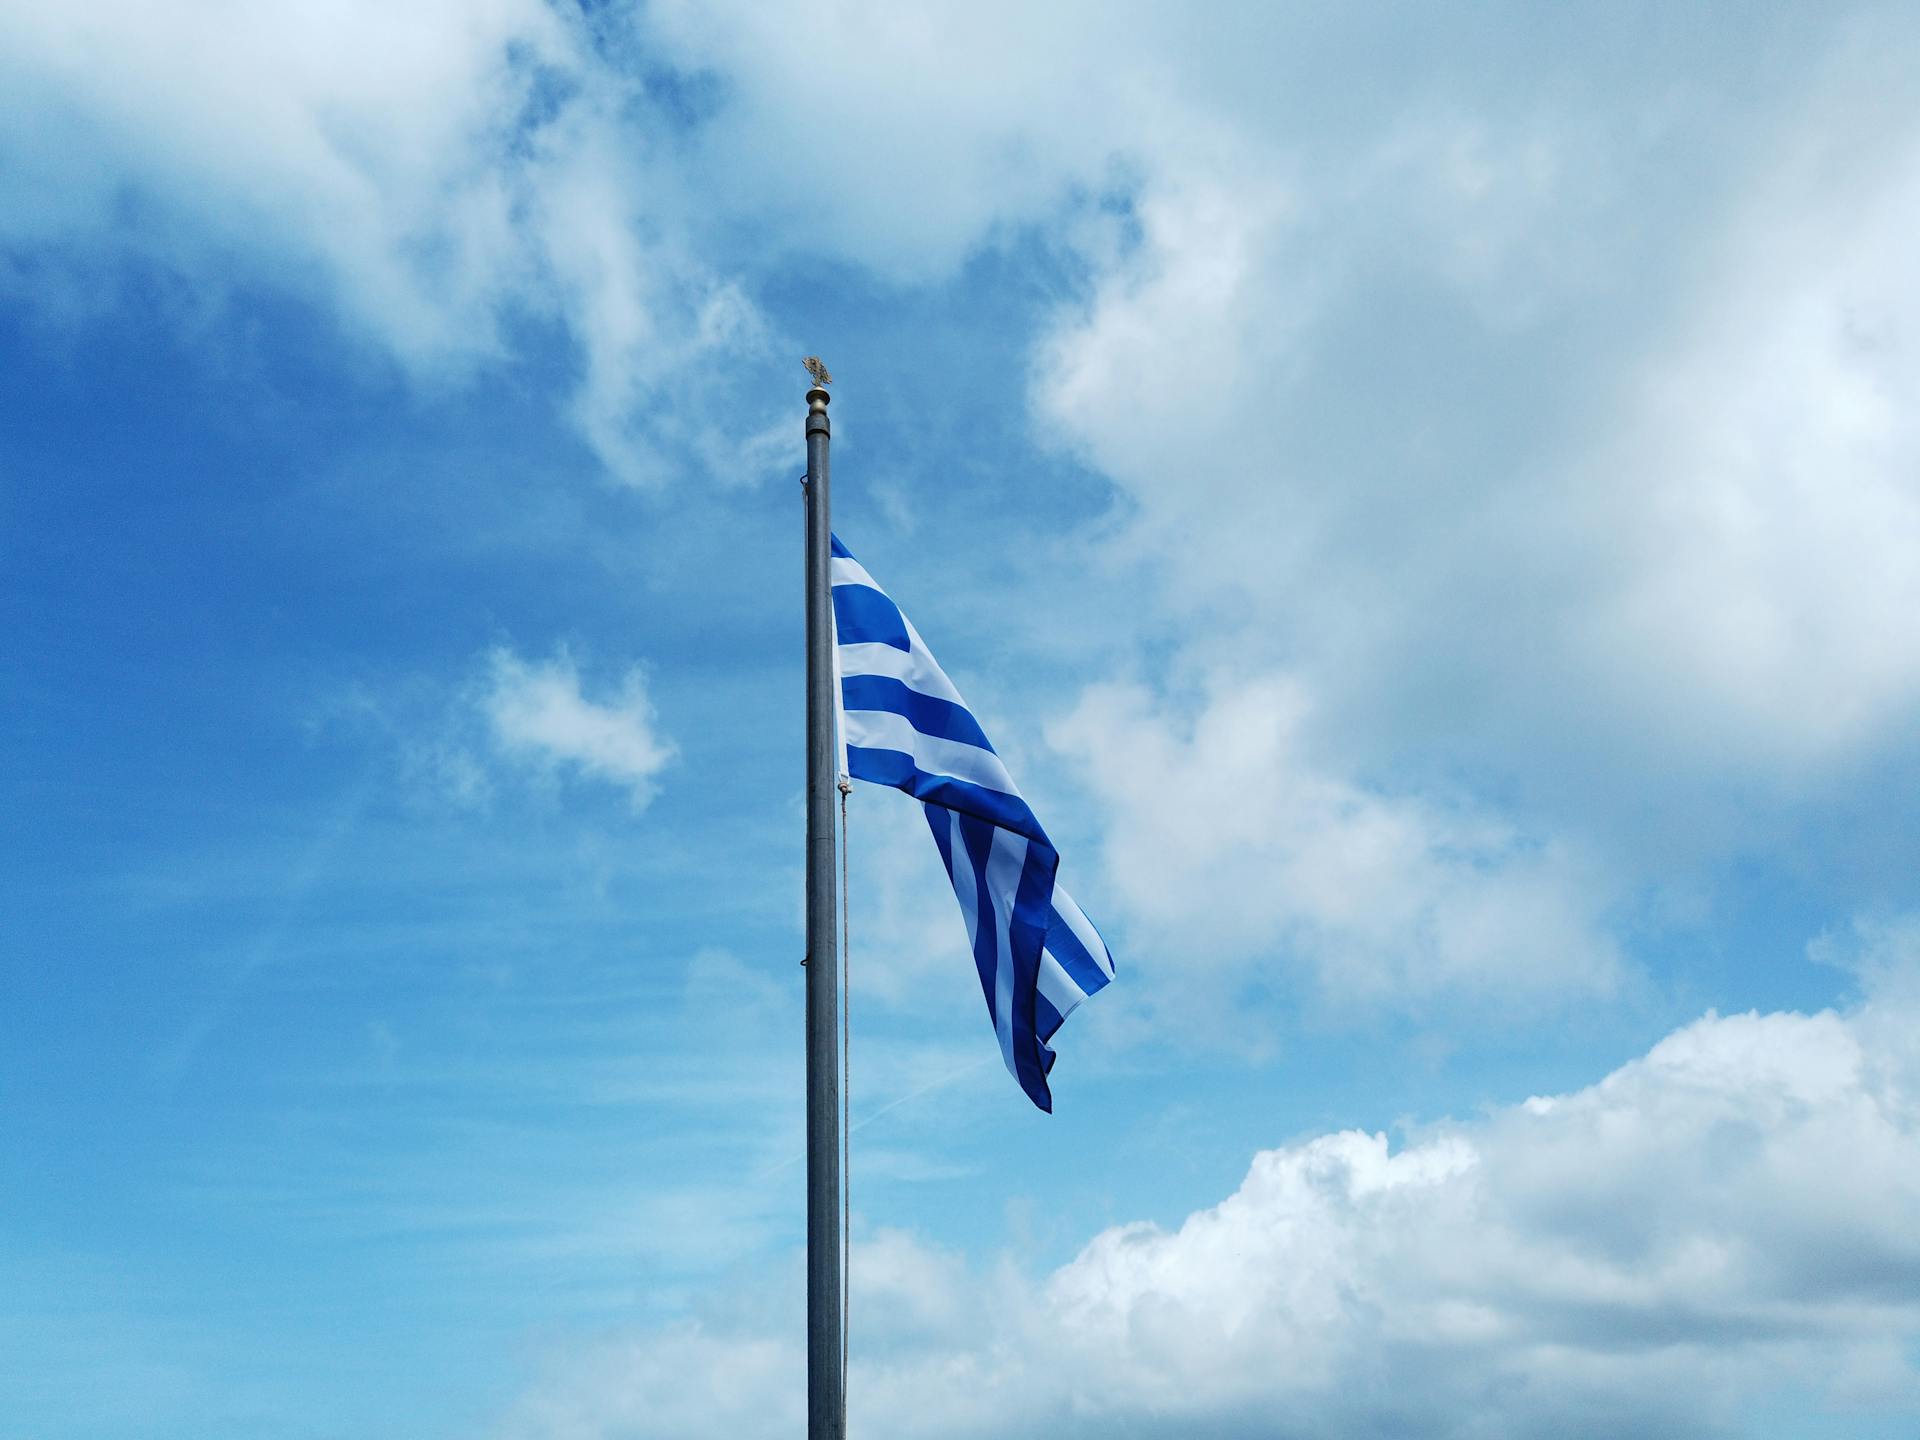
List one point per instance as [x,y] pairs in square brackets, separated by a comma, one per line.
[1424,500]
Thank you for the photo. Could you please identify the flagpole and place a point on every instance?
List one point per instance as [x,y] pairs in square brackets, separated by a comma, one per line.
[826,1376]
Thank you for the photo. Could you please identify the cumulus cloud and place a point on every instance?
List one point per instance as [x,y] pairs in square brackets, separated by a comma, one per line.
[538,712]
[1663,1252]
[1231,847]
[1672,553]
[906,137]
[436,176]
[1763,491]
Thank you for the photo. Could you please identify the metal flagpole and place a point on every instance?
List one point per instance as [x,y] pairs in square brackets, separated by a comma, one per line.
[826,1375]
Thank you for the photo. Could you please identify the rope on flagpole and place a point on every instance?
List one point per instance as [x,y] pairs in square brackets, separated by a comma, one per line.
[846,1090]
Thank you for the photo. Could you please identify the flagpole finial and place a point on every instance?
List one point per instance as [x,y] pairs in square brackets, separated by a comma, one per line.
[817,397]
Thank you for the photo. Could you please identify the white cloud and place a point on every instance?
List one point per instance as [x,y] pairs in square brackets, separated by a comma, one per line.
[537,711]
[1763,492]
[1729,1217]
[357,142]
[1231,848]
[904,136]
[432,174]
[1507,486]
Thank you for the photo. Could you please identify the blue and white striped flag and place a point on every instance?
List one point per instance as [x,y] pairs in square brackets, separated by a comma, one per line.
[906,726]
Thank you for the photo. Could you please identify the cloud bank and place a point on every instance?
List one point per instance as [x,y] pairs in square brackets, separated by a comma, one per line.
[1724,1226]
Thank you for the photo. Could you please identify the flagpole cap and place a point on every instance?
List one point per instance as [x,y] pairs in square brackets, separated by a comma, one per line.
[817,399]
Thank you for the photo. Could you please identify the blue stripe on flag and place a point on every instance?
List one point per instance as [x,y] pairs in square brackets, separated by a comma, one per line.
[863,616]
[926,713]
[1032,906]
[1046,1019]
[977,840]
[896,768]
[940,822]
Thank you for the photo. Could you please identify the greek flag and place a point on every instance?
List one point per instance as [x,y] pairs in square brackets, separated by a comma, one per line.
[905,725]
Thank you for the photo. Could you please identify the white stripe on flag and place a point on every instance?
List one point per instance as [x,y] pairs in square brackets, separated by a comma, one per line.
[1082,927]
[915,670]
[884,730]
[848,571]
[1058,986]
